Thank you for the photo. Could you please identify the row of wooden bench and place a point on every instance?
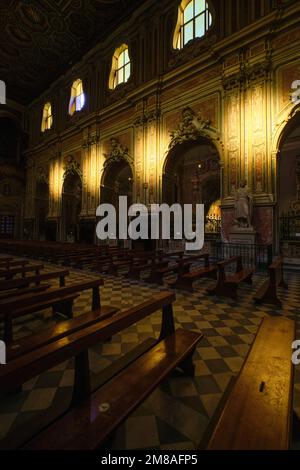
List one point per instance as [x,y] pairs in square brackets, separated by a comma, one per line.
[34,354]
[21,295]
[226,285]
[160,265]
[254,414]
[135,376]
[76,255]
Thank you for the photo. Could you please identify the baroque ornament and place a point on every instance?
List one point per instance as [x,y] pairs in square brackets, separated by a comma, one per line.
[71,166]
[42,174]
[190,128]
[117,153]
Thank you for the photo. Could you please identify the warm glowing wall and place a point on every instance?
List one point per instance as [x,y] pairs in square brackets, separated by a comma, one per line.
[241,96]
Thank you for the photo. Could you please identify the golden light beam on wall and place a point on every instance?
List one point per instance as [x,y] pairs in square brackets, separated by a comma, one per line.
[56,173]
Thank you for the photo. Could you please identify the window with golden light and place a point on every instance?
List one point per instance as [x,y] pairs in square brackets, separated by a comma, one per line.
[121,67]
[77,99]
[194,20]
[47,119]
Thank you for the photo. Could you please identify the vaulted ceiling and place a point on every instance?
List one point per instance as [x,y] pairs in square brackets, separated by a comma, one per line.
[40,39]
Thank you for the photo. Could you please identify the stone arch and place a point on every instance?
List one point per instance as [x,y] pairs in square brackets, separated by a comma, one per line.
[284,122]
[71,167]
[71,205]
[204,177]
[116,180]
[189,168]
[117,174]
[287,168]
[191,128]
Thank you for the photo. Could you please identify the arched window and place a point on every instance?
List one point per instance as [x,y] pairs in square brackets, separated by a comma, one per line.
[121,67]
[194,20]
[77,99]
[47,118]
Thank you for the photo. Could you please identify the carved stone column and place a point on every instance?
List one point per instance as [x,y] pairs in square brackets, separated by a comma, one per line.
[232,131]
[90,158]
[152,121]
[55,187]
[139,152]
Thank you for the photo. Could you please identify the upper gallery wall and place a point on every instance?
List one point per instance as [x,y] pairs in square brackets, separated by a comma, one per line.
[150,34]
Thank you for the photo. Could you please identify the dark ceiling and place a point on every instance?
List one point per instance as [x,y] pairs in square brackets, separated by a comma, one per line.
[41,39]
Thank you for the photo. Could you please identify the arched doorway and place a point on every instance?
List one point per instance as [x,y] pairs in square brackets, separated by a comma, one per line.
[289,190]
[41,209]
[71,207]
[117,180]
[192,176]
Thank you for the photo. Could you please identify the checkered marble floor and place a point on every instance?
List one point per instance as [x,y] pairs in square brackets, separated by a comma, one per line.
[177,414]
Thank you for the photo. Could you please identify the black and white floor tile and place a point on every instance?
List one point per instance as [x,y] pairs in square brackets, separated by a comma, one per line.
[177,414]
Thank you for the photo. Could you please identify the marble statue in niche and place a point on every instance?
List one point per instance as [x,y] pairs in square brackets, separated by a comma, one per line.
[243,206]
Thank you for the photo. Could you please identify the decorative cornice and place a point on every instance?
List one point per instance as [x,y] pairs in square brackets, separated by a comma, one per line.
[192,50]
[247,74]
[91,140]
[120,92]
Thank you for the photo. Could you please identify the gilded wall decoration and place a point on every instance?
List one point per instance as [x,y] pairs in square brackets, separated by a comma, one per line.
[193,49]
[233,139]
[209,110]
[190,128]
[42,174]
[139,146]
[235,96]
[117,153]
[258,132]
[71,166]
[286,76]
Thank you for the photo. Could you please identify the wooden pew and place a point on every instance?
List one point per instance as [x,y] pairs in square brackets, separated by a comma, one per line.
[27,281]
[258,411]
[121,263]
[24,291]
[135,381]
[101,264]
[6,259]
[227,284]
[185,280]
[11,273]
[123,260]
[29,343]
[268,291]
[13,263]
[146,261]
[59,299]
[84,261]
[180,266]
[136,270]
